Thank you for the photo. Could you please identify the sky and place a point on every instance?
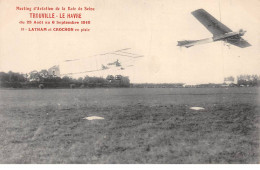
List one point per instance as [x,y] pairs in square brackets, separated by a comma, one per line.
[149,28]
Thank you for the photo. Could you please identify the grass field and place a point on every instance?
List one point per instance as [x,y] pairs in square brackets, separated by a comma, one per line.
[139,126]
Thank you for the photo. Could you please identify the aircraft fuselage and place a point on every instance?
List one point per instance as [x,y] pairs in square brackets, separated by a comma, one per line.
[229,35]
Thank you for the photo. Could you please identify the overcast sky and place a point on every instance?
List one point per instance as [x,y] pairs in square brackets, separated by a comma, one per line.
[150,28]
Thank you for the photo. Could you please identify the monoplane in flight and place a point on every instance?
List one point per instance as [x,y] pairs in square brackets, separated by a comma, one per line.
[220,32]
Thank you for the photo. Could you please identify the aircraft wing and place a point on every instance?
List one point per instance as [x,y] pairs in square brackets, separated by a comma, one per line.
[212,24]
[240,43]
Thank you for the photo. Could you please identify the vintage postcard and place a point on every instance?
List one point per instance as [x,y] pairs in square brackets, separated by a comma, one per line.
[129,82]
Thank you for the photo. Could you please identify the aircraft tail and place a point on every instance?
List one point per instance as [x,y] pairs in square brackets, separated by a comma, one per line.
[185,43]
[190,43]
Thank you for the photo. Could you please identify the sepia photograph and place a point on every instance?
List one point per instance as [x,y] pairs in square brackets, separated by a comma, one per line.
[129,82]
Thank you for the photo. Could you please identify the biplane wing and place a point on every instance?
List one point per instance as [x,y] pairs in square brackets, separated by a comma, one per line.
[122,52]
[212,24]
[239,42]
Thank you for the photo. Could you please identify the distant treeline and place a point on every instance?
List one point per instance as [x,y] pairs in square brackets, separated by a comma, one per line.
[42,79]
[242,81]
[37,80]
[174,85]
[248,80]
[180,85]
[157,85]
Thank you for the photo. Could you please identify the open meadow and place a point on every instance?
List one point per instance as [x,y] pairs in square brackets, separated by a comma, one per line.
[140,125]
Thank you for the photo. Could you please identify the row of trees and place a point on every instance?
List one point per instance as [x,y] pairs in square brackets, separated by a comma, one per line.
[243,80]
[42,79]
[11,77]
[248,80]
